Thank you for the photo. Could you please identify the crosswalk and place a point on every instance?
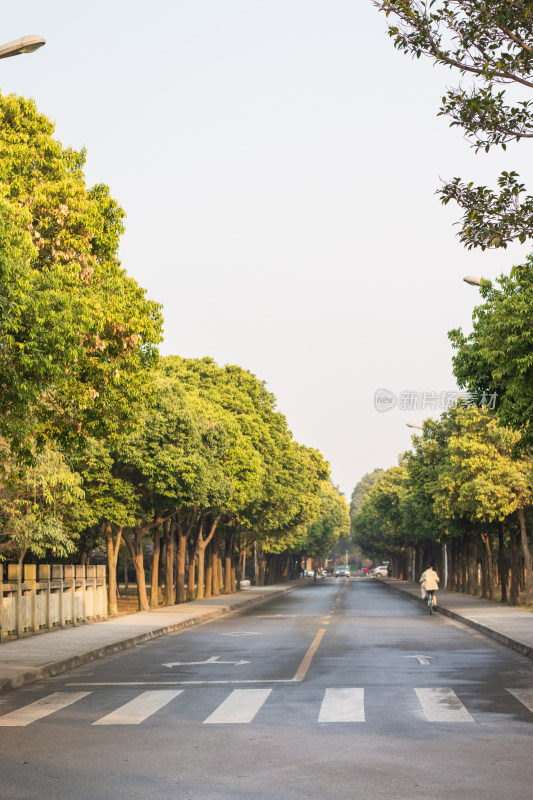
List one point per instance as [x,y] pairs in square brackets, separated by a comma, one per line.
[241,706]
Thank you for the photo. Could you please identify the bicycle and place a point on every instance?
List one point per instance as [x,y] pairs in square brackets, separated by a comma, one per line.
[430,600]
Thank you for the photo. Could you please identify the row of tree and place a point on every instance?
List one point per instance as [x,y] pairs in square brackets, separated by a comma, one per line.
[463,496]
[462,499]
[103,444]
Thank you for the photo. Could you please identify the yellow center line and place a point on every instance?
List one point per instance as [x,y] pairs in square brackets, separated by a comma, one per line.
[306,660]
[313,647]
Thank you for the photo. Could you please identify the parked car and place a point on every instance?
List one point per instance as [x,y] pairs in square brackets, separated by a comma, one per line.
[382,571]
[324,573]
[309,573]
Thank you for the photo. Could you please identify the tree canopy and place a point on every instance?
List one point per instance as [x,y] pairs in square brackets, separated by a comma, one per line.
[78,335]
[489,43]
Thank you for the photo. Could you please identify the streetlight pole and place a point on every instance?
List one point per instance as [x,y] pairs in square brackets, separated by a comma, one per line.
[26,44]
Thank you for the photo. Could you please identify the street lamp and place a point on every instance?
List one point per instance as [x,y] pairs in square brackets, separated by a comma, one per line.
[410,425]
[472,280]
[27,44]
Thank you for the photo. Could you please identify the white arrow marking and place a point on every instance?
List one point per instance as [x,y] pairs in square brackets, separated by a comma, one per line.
[212,660]
[422,659]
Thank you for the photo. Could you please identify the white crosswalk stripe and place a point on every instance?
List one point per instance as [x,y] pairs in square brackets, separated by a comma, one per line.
[442,705]
[343,705]
[140,708]
[338,705]
[524,696]
[241,706]
[41,708]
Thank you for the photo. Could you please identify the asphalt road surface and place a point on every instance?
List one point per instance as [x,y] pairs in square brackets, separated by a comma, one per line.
[341,689]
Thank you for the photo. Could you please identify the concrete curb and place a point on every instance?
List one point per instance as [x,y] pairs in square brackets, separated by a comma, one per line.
[502,638]
[57,667]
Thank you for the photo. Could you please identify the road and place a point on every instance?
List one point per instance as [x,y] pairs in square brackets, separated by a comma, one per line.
[342,689]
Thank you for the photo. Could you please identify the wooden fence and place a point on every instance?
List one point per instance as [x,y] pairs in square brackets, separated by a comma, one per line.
[62,596]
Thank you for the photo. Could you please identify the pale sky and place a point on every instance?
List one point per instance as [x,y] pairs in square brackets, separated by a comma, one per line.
[277,161]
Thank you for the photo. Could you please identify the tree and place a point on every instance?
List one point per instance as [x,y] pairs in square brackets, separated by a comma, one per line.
[497,357]
[332,522]
[42,508]
[481,481]
[490,43]
[377,526]
[362,488]
[77,334]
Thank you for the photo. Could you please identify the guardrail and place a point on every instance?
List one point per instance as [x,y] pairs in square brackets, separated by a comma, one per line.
[61,597]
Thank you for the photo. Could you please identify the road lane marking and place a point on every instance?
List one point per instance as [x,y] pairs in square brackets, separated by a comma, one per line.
[442,705]
[240,707]
[524,696]
[41,708]
[306,661]
[139,709]
[424,660]
[178,683]
[343,705]
[212,660]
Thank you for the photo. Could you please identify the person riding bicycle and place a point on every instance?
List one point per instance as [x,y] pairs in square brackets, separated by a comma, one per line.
[429,581]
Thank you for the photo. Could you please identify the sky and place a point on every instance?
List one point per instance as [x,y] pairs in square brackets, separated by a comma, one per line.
[278,162]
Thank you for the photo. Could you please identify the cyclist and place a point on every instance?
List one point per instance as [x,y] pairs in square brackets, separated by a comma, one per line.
[429,581]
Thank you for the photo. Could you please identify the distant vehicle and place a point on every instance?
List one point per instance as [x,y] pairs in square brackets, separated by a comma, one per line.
[381,572]
[309,573]
[342,572]
[324,573]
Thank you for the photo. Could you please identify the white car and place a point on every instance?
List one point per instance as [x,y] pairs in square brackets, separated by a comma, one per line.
[382,571]
[342,572]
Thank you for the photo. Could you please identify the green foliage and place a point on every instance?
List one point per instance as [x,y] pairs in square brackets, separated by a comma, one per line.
[478,478]
[42,508]
[362,488]
[332,522]
[489,42]
[78,335]
[377,526]
[498,355]
[462,473]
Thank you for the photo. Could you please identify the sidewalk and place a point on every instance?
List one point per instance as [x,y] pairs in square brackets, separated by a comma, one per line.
[25,660]
[512,627]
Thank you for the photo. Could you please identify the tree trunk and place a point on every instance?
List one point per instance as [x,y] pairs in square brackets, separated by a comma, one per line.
[262,566]
[502,564]
[181,552]
[487,564]
[527,556]
[112,558]
[215,560]
[191,571]
[201,545]
[136,553]
[256,566]
[471,581]
[168,532]
[514,598]
[228,562]
[209,570]
[154,590]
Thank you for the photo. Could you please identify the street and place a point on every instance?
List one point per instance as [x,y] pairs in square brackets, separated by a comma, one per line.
[341,689]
